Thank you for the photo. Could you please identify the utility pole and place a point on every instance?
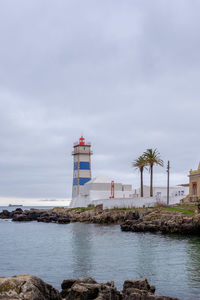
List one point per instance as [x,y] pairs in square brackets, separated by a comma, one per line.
[168,167]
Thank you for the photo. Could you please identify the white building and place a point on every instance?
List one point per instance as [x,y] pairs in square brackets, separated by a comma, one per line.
[103,190]
[102,187]
[106,191]
[161,191]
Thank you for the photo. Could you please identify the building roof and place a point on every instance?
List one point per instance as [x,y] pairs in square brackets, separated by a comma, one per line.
[165,187]
[195,172]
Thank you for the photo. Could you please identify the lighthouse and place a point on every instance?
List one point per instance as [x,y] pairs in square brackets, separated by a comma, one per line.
[81,166]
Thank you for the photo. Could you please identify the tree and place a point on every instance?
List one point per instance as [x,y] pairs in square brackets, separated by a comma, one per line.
[140,164]
[152,158]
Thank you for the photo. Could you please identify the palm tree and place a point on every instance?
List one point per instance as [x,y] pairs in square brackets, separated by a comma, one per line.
[140,164]
[153,158]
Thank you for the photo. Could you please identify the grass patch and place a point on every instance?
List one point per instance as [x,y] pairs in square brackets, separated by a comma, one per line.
[183,210]
[82,209]
[120,208]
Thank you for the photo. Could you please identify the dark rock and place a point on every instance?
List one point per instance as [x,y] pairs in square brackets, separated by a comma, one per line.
[29,287]
[141,284]
[99,207]
[66,284]
[89,289]
[20,218]
[141,290]
[5,213]
[27,215]
[83,291]
[18,210]
[26,287]
[171,225]
[63,220]
[133,215]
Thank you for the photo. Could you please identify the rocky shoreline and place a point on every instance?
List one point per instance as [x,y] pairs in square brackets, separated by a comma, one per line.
[157,221]
[66,215]
[161,220]
[28,287]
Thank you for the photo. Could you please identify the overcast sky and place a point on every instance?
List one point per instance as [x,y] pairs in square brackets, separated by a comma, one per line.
[124,73]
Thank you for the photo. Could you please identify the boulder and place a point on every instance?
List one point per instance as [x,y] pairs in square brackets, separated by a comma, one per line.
[179,224]
[26,215]
[141,290]
[63,220]
[18,210]
[67,284]
[5,214]
[89,289]
[26,287]
[20,218]
[141,284]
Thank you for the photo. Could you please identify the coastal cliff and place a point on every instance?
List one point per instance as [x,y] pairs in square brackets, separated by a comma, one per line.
[29,287]
[176,219]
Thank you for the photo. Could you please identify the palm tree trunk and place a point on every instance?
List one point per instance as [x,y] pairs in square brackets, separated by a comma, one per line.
[151,181]
[141,182]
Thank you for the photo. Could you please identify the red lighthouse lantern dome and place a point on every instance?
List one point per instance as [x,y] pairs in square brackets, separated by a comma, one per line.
[82,141]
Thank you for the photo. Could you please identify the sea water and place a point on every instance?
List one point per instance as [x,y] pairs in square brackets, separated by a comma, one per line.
[55,252]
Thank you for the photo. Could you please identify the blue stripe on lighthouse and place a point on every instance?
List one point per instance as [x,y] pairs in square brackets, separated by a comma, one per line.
[83,180]
[84,165]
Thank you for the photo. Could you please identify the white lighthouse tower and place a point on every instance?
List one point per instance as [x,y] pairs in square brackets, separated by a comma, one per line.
[82,166]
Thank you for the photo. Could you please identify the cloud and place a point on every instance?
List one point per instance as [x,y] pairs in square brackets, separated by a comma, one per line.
[123,73]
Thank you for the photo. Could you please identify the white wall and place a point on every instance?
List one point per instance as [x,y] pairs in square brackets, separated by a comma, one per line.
[79,202]
[95,195]
[99,186]
[127,187]
[162,191]
[134,202]
[123,202]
